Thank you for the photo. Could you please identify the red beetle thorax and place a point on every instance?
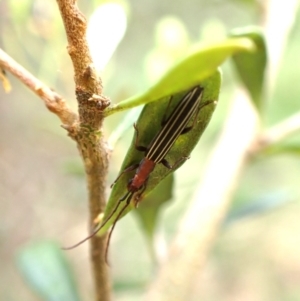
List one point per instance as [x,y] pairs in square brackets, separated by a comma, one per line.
[145,168]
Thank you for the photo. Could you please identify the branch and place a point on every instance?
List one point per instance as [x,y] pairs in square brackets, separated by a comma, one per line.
[85,129]
[200,225]
[90,142]
[54,102]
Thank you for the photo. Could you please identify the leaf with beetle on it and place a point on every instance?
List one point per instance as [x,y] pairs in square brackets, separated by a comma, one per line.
[148,125]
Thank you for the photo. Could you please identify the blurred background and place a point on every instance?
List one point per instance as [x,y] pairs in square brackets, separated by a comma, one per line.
[42,185]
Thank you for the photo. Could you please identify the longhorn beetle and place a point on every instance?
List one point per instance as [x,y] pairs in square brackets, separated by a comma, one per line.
[173,126]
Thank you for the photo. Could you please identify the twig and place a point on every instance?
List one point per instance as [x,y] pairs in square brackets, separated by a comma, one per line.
[189,250]
[54,102]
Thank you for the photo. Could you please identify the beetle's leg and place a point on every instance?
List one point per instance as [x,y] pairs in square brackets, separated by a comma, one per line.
[169,166]
[188,128]
[137,197]
[130,168]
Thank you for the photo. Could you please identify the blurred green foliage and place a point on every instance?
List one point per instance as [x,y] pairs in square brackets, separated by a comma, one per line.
[46,270]
[255,257]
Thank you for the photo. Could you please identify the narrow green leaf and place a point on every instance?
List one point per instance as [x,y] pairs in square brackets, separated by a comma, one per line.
[149,123]
[191,71]
[47,272]
[251,66]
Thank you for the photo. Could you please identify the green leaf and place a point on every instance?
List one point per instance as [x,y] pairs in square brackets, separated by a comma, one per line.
[46,270]
[191,71]
[251,66]
[149,123]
